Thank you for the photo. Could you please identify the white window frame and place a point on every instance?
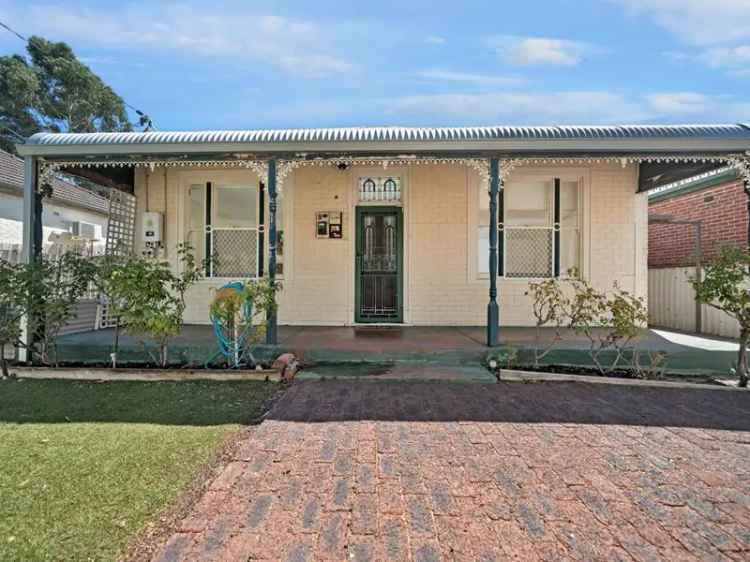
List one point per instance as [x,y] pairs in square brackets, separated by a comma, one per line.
[211,229]
[225,178]
[479,189]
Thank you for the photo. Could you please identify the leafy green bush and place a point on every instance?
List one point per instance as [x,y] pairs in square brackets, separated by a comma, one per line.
[53,286]
[13,307]
[149,299]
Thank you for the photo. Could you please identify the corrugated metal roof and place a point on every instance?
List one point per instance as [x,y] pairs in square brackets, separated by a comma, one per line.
[398,134]
[11,175]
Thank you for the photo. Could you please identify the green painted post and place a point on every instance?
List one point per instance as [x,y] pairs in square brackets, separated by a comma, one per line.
[272,324]
[493,310]
[32,238]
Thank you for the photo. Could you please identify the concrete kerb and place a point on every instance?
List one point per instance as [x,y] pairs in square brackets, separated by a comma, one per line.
[510,375]
[146,375]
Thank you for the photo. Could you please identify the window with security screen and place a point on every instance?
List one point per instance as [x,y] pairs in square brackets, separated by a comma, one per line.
[222,222]
[538,228]
[528,229]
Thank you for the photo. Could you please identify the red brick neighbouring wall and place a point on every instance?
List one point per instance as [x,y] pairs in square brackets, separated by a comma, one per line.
[722,209]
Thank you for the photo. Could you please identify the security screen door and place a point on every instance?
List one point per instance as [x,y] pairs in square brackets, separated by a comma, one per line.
[379,266]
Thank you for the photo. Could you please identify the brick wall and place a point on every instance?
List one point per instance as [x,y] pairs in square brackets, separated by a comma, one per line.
[441,285]
[722,210]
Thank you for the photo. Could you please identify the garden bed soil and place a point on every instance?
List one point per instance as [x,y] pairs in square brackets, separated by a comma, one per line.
[574,373]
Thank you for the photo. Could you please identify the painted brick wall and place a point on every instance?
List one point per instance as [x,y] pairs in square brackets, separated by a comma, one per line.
[441,284]
[722,209]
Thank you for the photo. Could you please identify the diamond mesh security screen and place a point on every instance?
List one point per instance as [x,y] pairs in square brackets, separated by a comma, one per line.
[235,253]
[528,252]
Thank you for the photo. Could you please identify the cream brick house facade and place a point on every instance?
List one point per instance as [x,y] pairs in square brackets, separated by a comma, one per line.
[423,227]
[442,282]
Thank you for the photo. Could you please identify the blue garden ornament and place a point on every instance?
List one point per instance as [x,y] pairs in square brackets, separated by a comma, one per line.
[233,329]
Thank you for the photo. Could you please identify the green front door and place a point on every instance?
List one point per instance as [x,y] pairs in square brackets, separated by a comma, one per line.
[380,264]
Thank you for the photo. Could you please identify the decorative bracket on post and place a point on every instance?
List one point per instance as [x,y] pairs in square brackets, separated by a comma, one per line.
[742,165]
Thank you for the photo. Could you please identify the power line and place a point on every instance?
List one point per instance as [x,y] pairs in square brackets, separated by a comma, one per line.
[143,118]
[13,31]
[13,133]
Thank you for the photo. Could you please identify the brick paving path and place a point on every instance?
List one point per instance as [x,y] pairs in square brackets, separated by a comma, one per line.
[352,470]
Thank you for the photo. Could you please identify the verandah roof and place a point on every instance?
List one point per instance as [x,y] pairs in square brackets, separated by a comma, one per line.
[623,138]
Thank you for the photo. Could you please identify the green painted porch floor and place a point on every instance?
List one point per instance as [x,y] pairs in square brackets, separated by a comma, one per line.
[355,348]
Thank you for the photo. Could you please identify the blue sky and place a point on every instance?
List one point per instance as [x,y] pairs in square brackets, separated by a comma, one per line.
[238,65]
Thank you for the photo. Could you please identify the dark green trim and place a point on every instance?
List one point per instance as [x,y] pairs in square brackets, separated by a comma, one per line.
[697,185]
[501,229]
[261,226]
[272,324]
[556,230]
[207,226]
[360,211]
[493,310]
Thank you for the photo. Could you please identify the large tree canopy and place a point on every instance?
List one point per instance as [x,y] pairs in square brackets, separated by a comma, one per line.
[51,90]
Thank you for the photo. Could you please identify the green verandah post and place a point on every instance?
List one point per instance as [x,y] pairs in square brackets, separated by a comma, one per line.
[272,327]
[32,235]
[493,311]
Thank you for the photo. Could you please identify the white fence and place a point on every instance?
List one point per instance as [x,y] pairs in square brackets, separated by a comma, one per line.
[671,304]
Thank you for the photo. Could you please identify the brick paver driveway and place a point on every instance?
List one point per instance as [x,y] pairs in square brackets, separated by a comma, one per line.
[351,470]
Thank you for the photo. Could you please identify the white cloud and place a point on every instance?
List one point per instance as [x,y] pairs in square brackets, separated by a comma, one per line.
[527,51]
[700,22]
[679,103]
[467,77]
[303,48]
[575,107]
[435,40]
[314,66]
[734,59]
[523,107]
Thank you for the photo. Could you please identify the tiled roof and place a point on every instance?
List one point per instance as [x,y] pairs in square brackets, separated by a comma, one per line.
[65,193]
[400,134]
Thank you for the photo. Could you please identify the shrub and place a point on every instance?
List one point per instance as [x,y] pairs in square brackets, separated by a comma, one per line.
[550,306]
[13,306]
[611,322]
[148,299]
[53,286]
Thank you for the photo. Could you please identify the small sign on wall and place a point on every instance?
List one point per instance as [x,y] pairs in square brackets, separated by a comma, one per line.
[329,224]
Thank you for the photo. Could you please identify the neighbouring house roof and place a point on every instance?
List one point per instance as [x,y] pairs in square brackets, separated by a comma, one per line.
[63,192]
[695,183]
[720,137]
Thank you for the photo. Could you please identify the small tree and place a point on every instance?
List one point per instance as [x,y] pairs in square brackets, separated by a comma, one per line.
[13,306]
[149,299]
[726,287]
[53,286]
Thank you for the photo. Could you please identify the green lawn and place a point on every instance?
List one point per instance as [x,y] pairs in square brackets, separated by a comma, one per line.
[83,466]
